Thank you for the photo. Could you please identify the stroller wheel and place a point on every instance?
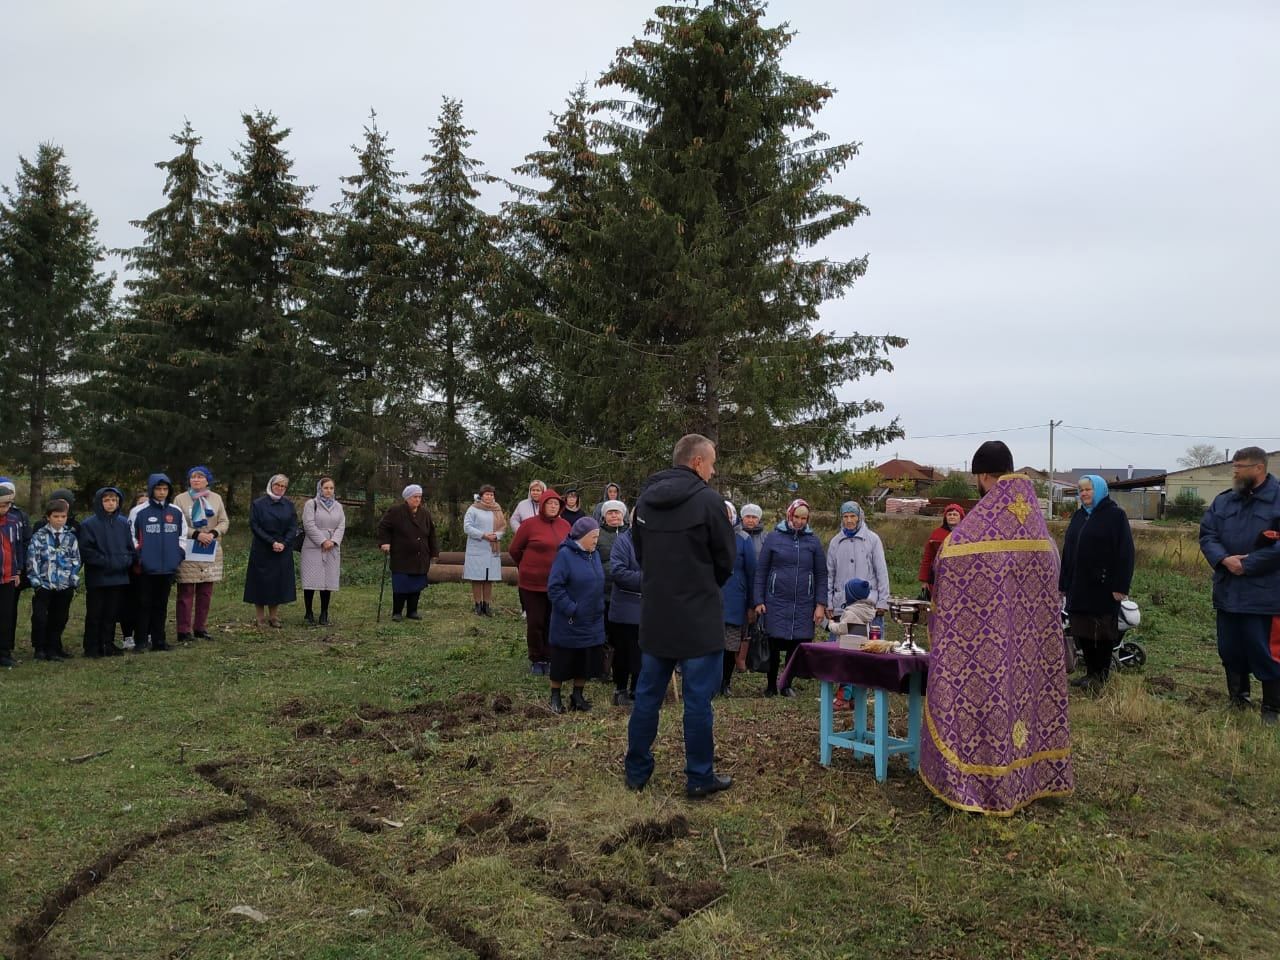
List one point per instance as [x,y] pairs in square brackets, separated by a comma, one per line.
[1129,655]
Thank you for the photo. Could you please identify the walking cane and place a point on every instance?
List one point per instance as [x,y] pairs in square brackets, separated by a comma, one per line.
[382,586]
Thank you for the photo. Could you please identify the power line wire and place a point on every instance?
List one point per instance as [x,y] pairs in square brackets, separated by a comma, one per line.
[1147,433]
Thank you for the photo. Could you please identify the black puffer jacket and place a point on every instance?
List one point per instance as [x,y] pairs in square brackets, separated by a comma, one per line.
[1097,559]
[685,548]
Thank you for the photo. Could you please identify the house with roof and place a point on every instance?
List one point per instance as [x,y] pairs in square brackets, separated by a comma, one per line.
[908,476]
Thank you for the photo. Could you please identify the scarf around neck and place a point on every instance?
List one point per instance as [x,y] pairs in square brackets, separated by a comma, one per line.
[499,521]
[200,512]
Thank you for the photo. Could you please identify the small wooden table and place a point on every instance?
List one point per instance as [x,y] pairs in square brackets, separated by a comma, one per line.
[864,671]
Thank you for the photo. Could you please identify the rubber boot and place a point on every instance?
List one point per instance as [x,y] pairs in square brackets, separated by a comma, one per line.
[577,701]
[1238,690]
[1271,702]
[557,705]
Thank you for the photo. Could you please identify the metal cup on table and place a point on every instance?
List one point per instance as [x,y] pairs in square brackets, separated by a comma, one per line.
[908,614]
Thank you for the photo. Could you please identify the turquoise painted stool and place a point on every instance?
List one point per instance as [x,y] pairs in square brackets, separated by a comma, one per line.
[877,743]
[887,674]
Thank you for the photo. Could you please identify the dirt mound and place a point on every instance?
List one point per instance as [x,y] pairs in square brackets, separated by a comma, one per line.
[309,729]
[443,859]
[648,833]
[481,820]
[618,918]
[473,762]
[366,824]
[528,830]
[812,837]
[293,707]
[555,856]
[502,703]
[371,795]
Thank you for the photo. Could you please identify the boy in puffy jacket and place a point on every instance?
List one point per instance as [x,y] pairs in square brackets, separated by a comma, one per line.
[53,568]
[158,528]
[106,547]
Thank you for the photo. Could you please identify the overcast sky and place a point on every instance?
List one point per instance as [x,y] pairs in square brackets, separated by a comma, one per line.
[1073,206]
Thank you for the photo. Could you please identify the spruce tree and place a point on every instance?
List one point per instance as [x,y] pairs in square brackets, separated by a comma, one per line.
[455,263]
[272,381]
[152,393]
[697,249]
[51,298]
[377,348]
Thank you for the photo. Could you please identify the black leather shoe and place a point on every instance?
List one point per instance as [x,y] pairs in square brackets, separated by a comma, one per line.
[579,702]
[8,661]
[201,635]
[159,647]
[396,618]
[309,619]
[40,655]
[717,784]
[413,616]
[557,705]
[184,638]
[636,787]
[61,655]
[324,620]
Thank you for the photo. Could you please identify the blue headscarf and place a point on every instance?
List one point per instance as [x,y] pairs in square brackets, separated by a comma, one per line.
[1100,490]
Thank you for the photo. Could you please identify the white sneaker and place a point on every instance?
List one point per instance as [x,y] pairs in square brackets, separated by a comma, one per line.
[127,643]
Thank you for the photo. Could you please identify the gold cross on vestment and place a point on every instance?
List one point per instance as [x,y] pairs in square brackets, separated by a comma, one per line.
[1020,508]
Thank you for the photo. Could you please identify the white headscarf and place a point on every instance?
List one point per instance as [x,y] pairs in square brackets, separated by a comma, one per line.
[412,490]
[272,482]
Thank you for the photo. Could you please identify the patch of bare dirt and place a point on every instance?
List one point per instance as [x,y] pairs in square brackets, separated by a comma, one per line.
[648,833]
[479,821]
[810,836]
[528,830]
[293,707]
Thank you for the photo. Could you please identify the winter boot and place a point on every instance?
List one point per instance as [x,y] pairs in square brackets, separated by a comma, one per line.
[557,705]
[1238,690]
[1271,702]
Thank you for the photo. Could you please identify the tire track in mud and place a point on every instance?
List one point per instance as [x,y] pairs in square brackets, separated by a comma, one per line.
[30,933]
[346,858]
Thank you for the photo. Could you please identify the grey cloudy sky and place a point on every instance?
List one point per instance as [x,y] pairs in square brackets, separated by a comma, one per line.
[1073,206]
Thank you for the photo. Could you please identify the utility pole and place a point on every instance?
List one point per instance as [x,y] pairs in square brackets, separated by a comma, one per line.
[1052,425]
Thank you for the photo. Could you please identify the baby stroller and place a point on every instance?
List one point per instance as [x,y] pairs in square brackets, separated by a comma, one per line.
[1127,653]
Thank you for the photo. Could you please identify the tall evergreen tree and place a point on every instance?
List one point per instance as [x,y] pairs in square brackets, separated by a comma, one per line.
[714,191]
[456,261]
[51,297]
[552,305]
[271,376]
[152,394]
[377,348]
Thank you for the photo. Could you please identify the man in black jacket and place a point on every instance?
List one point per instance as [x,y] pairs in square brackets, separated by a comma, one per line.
[685,548]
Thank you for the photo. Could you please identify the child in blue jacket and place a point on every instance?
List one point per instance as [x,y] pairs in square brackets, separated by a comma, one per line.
[53,568]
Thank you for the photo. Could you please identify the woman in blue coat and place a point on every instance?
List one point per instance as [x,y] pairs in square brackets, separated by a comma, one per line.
[790,588]
[575,588]
[268,581]
[624,616]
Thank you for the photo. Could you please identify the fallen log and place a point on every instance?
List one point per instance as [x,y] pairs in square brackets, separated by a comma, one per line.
[452,573]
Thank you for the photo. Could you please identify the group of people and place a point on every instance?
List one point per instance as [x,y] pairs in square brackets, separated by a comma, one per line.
[128,558]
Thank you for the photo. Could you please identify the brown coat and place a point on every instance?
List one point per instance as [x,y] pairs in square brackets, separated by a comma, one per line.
[412,538]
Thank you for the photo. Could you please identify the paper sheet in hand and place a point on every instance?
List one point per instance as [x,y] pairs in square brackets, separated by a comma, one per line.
[198,552]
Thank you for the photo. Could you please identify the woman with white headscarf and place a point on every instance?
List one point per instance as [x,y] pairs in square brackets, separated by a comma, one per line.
[407,534]
[268,580]
[325,524]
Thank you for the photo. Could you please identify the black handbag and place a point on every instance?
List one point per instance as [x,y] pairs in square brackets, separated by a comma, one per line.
[300,537]
[758,649]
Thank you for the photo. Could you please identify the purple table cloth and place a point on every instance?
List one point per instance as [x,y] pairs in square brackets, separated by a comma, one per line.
[827,661]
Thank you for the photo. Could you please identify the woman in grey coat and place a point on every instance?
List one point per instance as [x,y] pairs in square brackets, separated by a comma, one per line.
[323,522]
[484,525]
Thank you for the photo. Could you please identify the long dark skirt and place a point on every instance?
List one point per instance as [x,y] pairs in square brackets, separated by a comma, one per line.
[268,581]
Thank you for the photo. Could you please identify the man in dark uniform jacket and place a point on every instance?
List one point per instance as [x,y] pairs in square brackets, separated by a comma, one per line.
[685,548]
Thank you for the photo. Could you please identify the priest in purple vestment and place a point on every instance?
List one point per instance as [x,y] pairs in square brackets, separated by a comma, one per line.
[996,733]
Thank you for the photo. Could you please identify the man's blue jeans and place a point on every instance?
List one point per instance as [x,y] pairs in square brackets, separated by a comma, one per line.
[702,677]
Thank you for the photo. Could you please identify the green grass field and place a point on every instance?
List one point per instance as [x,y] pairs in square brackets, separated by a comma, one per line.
[400,790]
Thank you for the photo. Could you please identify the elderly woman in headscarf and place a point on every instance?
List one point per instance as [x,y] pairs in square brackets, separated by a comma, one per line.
[208,523]
[1096,571]
[856,553]
[408,534]
[739,611]
[484,525]
[950,517]
[268,580]
[575,588]
[325,524]
[790,589]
